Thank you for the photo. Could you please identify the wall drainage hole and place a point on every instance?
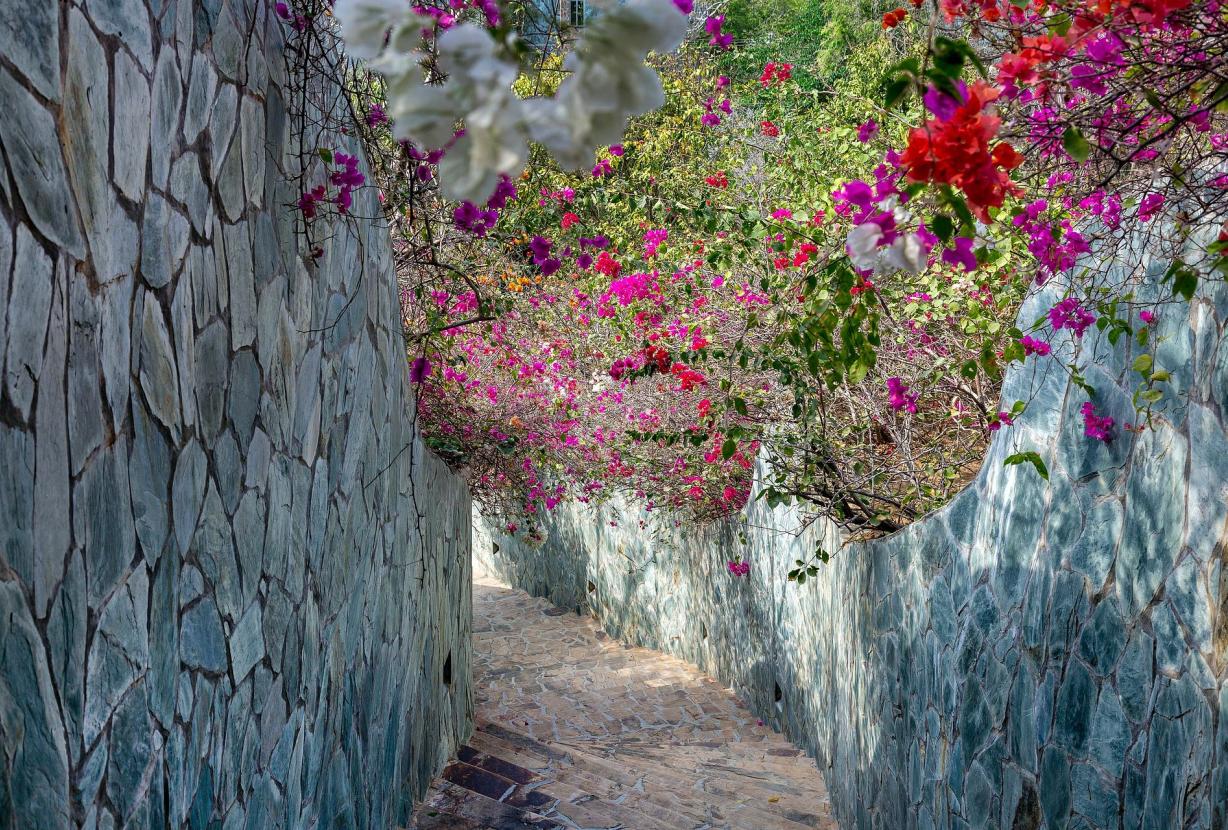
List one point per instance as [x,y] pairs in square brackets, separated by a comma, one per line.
[779,697]
[447,670]
[591,586]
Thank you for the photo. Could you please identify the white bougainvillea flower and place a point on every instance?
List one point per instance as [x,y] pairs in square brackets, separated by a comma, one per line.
[495,144]
[421,113]
[366,25]
[906,253]
[609,81]
[863,245]
[608,84]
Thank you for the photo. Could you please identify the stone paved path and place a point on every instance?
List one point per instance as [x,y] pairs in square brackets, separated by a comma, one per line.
[575,730]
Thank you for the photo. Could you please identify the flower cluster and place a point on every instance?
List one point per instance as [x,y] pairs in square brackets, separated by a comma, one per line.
[608,83]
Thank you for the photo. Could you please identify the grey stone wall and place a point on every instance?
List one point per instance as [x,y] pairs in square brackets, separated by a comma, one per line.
[234,590]
[1030,656]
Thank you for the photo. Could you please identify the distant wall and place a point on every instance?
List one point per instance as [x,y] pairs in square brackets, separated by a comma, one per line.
[1030,656]
[234,590]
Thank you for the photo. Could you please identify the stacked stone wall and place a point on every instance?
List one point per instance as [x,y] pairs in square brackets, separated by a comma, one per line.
[234,589]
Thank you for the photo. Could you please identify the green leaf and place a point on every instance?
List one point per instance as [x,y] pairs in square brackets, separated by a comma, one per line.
[728,449]
[943,227]
[1028,457]
[1075,145]
[1142,364]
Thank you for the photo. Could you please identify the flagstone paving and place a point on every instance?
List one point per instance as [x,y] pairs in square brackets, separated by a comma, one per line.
[574,730]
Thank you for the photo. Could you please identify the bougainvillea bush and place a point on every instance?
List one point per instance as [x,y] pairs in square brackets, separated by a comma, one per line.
[818,269]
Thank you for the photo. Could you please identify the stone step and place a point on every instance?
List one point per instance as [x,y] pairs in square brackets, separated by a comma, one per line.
[725,790]
[449,799]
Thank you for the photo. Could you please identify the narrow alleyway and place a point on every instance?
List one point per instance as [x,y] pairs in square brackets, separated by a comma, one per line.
[573,730]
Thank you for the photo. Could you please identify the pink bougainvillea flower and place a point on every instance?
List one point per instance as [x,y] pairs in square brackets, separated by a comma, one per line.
[961,254]
[1070,314]
[713,26]
[1147,317]
[685,6]
[867,131]
[1150,206]
[1099,427]
[1032,346]
[899,396]
[419,370]
[738,568]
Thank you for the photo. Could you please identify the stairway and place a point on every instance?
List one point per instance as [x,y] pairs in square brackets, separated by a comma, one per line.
[575,731]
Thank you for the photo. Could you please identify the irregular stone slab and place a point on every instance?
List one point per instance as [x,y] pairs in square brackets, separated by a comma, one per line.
[246,643]
[164,127]
[189,188]
[102,520]
[201,641]
[159,375]
[52,529]
[132,113]
[27,330]
[133,745]
[128,20]
[164,241]
[201,91]
[37,787]
[188,493]
[86,424]
[115,346]
[150,482]
[212,364]
[32,145]
[30,38]
[119,653]
[17,501]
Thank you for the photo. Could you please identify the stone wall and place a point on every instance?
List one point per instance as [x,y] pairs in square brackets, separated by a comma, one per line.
[234,590]
[1033,655]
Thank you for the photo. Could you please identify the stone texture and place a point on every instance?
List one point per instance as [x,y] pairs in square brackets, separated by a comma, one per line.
[32,146]
[27,330]
[175,649]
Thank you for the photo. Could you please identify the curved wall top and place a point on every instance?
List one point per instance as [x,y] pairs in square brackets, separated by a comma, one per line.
[1033,655]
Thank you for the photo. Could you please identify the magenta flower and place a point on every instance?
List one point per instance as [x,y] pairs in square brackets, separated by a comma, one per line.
[961,254]
[738,568]
[419,370]
[1147,317]
[1069,314]
[867,131]
[713,26]
[1099,427]
[1150,206]
[685,6]
[1033,346]
[899,396]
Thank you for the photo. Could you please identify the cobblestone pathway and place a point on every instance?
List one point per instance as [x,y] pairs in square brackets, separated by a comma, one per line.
[576,731]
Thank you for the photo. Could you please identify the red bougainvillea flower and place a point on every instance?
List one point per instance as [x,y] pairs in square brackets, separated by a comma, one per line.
[717,180]
[776,73]
[957,151]
[769,129]
[569,219]
[894,18]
